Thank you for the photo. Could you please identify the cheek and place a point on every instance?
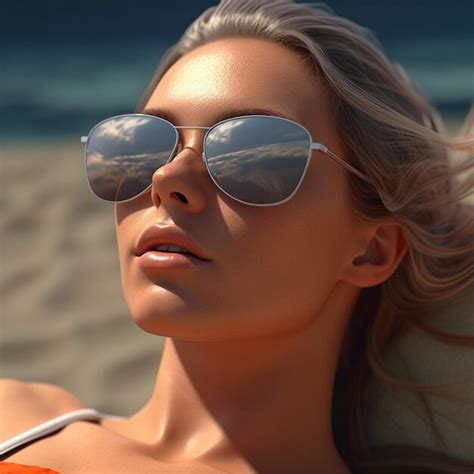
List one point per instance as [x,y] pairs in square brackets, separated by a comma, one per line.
[126,224]
[275,292]
[122,222]
[128,220]
[278,276]
[312,248]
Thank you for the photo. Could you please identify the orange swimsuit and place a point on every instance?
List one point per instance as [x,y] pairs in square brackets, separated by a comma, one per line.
[14,468]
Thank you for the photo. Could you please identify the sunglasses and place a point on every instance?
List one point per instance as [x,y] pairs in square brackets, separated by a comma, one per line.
[259,160]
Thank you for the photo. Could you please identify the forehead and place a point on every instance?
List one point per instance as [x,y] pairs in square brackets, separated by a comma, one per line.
[243,73]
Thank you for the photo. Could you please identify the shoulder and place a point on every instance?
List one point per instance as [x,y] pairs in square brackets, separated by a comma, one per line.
[31,403]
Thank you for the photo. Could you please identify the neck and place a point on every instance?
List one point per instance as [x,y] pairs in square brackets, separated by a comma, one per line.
[268,401]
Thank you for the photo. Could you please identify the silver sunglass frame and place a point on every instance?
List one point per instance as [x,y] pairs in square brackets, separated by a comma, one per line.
[313,146]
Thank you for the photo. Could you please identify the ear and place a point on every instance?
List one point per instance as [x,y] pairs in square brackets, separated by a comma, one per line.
[383,251]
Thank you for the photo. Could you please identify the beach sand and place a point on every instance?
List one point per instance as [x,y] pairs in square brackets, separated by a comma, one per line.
[63,312]
[64,319]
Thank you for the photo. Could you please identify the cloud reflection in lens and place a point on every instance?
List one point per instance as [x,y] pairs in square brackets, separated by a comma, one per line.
[261,160]
[124,152]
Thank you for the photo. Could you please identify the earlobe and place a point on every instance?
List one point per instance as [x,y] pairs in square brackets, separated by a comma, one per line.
[381,257]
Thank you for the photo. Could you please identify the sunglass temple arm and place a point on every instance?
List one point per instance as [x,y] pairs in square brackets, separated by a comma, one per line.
[324,149]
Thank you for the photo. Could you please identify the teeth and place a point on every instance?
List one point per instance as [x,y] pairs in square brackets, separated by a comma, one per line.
[171,248]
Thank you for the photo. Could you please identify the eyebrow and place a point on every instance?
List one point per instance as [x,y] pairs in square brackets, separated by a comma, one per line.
[169,115]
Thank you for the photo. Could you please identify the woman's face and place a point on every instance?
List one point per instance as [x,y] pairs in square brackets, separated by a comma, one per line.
[272,267]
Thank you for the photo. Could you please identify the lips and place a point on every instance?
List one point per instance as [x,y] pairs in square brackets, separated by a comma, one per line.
[169,235]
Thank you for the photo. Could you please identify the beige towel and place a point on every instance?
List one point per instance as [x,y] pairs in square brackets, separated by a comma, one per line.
[398,416]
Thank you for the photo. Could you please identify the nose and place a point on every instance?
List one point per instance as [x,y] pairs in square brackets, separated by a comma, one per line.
[184,180]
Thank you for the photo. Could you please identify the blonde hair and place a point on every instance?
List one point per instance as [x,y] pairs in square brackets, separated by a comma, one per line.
[393,135]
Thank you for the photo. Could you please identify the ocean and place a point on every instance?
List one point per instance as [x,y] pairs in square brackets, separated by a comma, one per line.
[68,66]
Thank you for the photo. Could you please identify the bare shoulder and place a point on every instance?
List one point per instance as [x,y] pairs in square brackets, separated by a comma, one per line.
[80,445]
[30,403]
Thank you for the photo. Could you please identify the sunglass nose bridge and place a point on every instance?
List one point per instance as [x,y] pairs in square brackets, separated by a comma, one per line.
[185,126]
[181,145]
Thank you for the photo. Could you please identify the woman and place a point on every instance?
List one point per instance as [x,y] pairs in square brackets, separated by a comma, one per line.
[301,269]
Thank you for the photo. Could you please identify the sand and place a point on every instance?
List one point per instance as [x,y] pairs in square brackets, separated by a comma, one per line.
[63,312]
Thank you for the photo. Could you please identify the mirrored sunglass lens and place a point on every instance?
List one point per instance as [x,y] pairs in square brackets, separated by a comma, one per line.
[259,160]
[123,153]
